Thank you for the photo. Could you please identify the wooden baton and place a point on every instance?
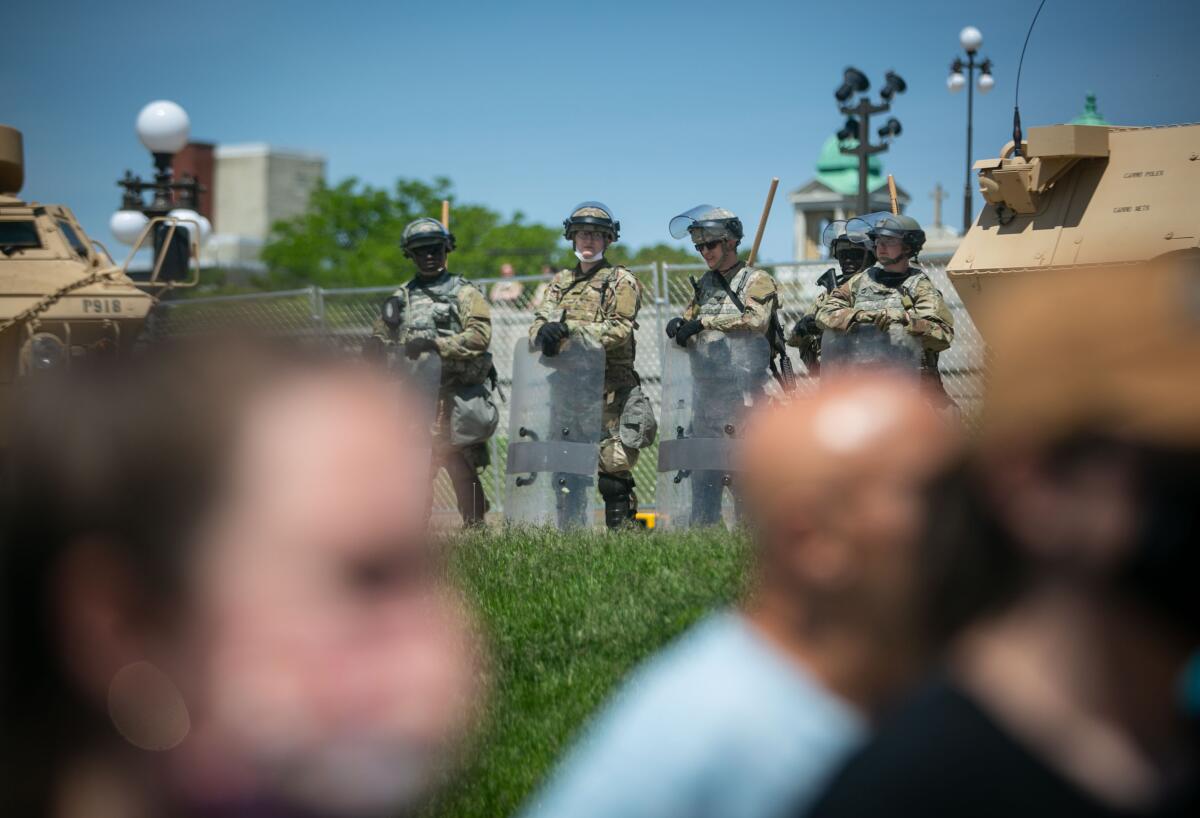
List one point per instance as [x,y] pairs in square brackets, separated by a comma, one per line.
[762,222]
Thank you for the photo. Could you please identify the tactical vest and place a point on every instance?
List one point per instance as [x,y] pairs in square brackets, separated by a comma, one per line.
[584,299]
[430,310]
[711,298]
[870,294]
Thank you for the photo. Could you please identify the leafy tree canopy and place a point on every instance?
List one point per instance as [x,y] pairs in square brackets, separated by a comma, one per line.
[350,237]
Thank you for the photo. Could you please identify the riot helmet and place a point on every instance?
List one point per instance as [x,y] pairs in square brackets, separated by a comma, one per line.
[423,232]
[864,230]
[707,223]
[591,216]
[852,257]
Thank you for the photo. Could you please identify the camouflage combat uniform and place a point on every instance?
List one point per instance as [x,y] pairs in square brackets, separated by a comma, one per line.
[602,305]
[715,386]
[453,313]
[756,289]
[910,293]
[810,345]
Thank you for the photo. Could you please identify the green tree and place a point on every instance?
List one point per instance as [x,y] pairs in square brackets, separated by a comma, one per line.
[350,237]
[631,257]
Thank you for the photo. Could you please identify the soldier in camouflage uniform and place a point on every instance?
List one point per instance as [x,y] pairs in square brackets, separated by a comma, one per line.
[851,258]
[441,313]
[716,233]
[600,301]
[894,293]
[731,297]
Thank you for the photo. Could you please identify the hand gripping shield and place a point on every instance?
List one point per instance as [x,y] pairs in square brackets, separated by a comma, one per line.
[867,346]
[554,437]
[707,389]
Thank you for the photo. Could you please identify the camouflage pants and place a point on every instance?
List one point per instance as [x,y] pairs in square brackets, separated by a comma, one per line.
[463,465]
[616,458]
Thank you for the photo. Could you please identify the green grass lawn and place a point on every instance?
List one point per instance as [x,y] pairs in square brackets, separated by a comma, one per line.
[567,617]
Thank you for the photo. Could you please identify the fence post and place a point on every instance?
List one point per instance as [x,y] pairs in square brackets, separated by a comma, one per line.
[497,480]
[316,299]
[662,300]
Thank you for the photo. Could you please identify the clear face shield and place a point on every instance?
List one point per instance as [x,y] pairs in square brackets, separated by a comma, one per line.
[700,217]
[839,245]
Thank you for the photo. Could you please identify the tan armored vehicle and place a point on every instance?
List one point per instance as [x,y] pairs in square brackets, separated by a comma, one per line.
[62,298]
[1080,195]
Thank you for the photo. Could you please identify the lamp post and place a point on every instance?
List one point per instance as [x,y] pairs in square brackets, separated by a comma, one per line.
[858,122]
[970,39]
[163,127]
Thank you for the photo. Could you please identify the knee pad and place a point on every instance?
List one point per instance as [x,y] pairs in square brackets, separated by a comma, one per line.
[613,487]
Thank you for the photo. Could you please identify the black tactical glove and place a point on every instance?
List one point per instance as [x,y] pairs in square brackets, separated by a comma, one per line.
[673,326]
[807,326]
[687,330]
[415,346]
[373,349]
[550,337]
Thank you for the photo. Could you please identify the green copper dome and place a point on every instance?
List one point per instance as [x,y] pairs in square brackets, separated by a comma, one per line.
[839,171]
[1090,115]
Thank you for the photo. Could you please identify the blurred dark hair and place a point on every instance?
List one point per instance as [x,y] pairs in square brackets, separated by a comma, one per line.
[972,568]
[968,567]
[130,455]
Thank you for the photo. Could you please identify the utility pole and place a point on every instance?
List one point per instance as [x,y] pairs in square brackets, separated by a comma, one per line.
[858,123]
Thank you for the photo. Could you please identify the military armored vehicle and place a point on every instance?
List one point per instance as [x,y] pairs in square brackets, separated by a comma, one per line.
[1080,196]
[63,300]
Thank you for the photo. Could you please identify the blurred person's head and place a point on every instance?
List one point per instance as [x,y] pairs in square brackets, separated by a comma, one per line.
[217,577]
[507,271]
[1087,474]
[1062,569]
[834,485]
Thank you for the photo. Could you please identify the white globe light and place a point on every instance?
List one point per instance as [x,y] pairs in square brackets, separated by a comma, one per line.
[163,127]
[971,38]
[955,82]
[986,83]
[186,216]
[127,225]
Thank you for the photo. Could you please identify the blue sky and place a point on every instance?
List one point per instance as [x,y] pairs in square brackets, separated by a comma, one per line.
[650,107]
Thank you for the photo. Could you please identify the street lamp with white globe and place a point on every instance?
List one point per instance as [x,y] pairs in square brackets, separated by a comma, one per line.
[163,127]
[971,39]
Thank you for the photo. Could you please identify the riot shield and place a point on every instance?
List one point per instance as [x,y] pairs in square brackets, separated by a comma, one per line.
[867,346]
[707,389]
[423,379]
[554,435]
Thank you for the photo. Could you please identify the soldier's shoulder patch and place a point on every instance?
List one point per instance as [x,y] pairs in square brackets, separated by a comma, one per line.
[623,274]
[760,279]
[466,289]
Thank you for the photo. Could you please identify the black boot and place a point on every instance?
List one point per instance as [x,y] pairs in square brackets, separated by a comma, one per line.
[620,504]
[472,503]
[468,492]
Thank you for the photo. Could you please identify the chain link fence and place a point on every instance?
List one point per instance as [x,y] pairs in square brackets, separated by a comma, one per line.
[344,317]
